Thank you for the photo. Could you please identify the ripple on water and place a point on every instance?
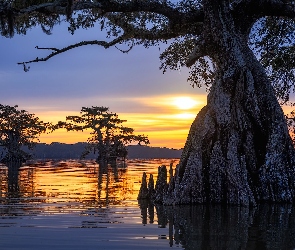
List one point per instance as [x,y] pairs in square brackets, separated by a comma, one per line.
[66,192]
[77,205]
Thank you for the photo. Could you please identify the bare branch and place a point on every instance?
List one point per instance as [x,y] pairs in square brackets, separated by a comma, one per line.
[80,44]
[55,49]
[125,51]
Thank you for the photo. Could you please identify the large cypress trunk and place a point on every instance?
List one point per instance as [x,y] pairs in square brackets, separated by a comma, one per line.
[238,150]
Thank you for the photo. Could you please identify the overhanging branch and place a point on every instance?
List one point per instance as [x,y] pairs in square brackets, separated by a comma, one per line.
[57,51]
[168,31]
[262,8]
[107,6]
[176,16]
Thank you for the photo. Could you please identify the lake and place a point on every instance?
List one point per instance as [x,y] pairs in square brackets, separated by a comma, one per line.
[77,205]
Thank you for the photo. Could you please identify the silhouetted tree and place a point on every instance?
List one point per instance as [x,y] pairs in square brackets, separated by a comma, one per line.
[108,137]
[238,150]
[18,129]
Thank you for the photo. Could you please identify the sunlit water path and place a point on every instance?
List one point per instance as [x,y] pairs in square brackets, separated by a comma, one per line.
[77,205]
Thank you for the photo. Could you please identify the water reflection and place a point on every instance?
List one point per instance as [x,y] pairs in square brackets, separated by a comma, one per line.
[63,195]
[83,182]
[220,227]
[147,209]
[113,187]
[75,188]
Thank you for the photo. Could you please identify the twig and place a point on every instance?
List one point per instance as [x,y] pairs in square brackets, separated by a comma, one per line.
[73,46]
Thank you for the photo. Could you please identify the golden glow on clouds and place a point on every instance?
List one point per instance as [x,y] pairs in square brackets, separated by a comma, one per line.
[166,120]
[176,103]
[61,135]
[185,116]
[184,102]
[165,123]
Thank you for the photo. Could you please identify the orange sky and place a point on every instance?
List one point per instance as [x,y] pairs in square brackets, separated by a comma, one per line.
[164,119]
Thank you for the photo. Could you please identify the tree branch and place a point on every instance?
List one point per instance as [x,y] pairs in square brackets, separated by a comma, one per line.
[179,22]
[262,8]
[80,44]
[60,7]
[154,6]
[168,31]
[140,33]
[177,18]
[198,52]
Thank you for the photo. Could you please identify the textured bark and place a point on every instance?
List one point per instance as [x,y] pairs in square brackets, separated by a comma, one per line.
[161,184]
[238,150]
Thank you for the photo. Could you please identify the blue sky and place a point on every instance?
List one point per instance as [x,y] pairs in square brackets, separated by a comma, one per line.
[130,84]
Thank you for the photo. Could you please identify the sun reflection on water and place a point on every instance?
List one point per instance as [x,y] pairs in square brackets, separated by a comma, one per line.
[76,186]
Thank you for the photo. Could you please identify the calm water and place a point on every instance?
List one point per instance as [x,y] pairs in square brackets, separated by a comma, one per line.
[77,205]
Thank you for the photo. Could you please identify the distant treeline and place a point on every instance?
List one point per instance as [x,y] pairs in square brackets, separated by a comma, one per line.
[73,151]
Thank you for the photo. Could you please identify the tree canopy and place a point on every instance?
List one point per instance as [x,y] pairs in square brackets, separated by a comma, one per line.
[268,26]
[108,136]
[18,128]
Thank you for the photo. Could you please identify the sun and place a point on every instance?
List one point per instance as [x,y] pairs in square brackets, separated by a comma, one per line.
[184,102]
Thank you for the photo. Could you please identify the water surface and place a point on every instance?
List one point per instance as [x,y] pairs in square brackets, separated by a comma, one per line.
[77,205]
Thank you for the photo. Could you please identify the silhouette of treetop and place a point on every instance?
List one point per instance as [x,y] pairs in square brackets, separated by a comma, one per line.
[108,136]
[19,128]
